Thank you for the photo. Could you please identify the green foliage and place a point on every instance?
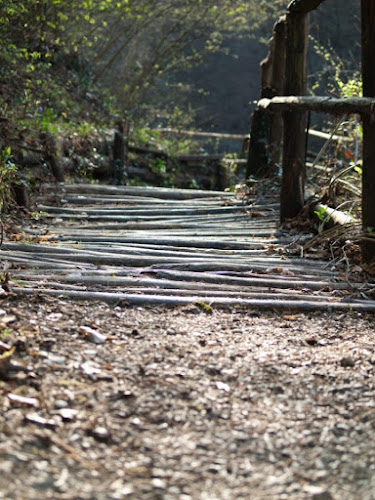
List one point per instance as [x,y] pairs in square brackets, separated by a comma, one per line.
[159,167]
[321,214]
[167,143]
[53,49]
[8,176]
[358,169]
[70,66]
[340,80]
[38,215]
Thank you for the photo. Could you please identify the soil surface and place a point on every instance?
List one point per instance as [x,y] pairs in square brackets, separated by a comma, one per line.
[110,402]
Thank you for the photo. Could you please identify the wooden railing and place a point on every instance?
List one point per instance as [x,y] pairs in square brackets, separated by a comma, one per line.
[283,94]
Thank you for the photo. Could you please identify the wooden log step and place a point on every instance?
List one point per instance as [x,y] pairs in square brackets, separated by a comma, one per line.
[224,243]
[162,246]
[128,200]
[145,191]
[261,283]
[186,260]
[146,299]
[188,292]
[151,211]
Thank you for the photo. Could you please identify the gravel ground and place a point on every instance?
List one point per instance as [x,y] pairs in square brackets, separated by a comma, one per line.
[111,402]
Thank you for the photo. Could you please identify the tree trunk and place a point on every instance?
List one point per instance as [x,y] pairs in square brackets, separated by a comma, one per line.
[294,150]
[368,181]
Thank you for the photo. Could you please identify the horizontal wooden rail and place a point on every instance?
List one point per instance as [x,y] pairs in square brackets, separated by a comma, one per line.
[181,156]
[217,135]
[334,137]
[361,105]
[315,133]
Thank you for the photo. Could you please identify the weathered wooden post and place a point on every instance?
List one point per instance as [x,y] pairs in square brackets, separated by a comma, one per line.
[51,156]
[294,148]
[119,173]
[278,77]
[368,180]
[266,129]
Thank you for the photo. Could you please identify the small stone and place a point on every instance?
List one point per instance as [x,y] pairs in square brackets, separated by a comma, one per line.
[159,483]
[222,386]
[324,495]
[100,433]
[47,343]
[318,493]
[311,341]
[60,404]
[68,413]
[347,361]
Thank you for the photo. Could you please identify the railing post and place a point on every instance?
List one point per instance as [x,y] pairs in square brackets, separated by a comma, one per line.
[119,172]
[266,129]
[294,148]
[278,80]
[368,180]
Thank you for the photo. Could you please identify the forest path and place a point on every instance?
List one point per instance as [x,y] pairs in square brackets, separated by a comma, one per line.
[148,245]
[122,400]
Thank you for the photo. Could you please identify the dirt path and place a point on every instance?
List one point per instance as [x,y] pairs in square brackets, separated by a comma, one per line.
[179,404]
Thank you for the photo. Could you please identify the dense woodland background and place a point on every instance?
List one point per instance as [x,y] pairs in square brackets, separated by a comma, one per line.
[72,69]
[174,62]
